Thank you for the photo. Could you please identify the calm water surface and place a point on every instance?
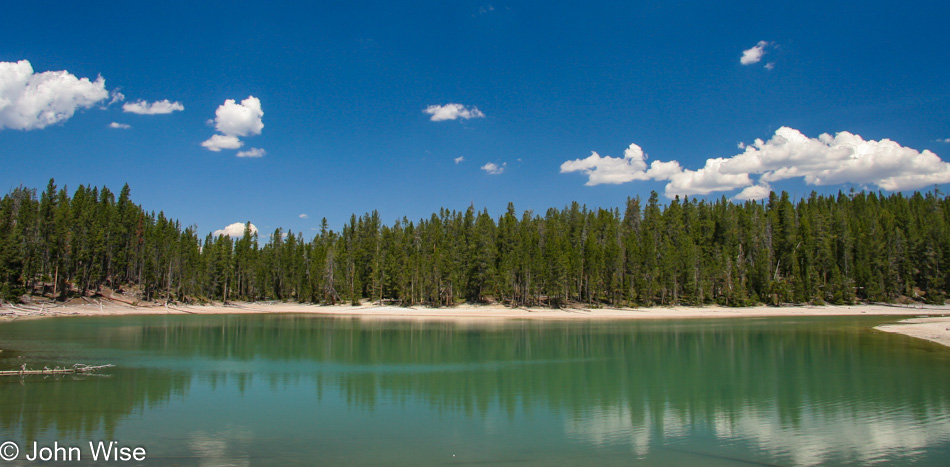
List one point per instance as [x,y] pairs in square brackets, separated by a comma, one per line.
[300,390]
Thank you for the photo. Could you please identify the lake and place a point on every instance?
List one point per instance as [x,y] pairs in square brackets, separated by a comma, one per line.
[304,390]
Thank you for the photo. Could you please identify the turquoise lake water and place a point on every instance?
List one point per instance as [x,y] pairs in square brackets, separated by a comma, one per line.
[305,390]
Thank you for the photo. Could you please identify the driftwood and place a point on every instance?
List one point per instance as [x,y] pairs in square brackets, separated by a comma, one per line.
[78,368]
[23,310]
[126,302]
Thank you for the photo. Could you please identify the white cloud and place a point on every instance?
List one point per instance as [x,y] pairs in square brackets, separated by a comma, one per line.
[706,180]
[303,216]
[753,55]
[31,101]
[120,126]
[494,169]
[754,192]
[615,170]
[663,170]
[770,66]
[945,140]
[235,230]
[142,107]
[116,97]
[219,142]
[843,158]
[253,152]
[242,119]
[611,170]
[233,120]
[459,160]
[452,112]
[826,160]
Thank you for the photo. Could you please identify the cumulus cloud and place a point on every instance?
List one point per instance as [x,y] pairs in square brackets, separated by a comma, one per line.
[253,152]
[233,120]
[242,119]
[843,158]
[235,230]
[753,55]
[945,140]
[120,126]
[142,107]
[459,160]
[611,170]
[452,112]
[754,192]
[303,216]
[706,180]
[825,160]
[494,169]
[31,101]
[219,142]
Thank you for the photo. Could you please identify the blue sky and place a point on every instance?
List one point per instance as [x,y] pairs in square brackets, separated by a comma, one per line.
[343,88]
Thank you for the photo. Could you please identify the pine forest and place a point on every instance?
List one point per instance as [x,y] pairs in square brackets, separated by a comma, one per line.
[844,248]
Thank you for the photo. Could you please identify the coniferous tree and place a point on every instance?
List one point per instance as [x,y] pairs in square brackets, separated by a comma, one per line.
[837,249]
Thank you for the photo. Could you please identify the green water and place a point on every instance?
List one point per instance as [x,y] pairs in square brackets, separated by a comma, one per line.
[303,390]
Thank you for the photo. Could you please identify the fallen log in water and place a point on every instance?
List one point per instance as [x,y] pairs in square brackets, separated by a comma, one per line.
[78,368]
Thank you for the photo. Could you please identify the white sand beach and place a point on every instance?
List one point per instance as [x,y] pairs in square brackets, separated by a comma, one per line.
[932,329]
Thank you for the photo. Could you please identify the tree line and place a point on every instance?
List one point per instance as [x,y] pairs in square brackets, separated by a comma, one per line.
[839,249]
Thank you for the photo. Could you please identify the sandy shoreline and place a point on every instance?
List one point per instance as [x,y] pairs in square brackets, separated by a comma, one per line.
[932,329]
[472,311]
